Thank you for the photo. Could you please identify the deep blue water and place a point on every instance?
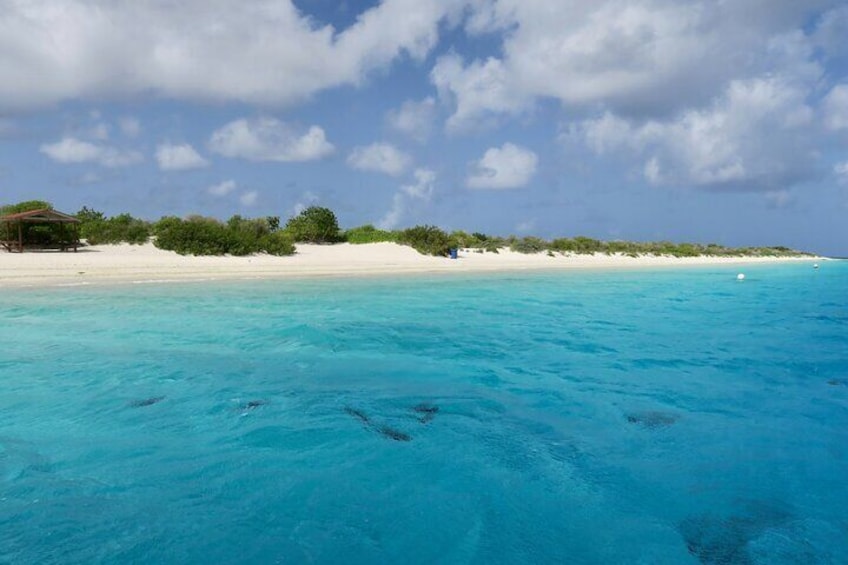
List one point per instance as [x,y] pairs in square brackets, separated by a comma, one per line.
[619,417]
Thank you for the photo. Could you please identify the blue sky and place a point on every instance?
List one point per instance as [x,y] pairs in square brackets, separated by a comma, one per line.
[692,120]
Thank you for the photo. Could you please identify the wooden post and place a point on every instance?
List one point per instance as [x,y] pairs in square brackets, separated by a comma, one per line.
[20,237]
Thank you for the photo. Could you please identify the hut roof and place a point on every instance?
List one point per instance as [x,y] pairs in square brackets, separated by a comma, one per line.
[45,215]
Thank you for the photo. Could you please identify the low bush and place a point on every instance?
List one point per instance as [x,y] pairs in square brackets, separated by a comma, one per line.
[529,244]
[197,235]
[314,225]
[97,229]
[427,240]
[369,234]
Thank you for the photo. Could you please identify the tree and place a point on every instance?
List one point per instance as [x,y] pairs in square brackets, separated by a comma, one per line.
[25,207]
[314,225]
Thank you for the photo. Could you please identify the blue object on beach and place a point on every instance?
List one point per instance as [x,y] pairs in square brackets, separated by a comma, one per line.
[453,253]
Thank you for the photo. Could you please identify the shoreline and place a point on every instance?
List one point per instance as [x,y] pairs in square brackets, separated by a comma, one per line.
[146,264]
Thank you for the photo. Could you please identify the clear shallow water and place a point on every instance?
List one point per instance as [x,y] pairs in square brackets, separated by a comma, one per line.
[668,417]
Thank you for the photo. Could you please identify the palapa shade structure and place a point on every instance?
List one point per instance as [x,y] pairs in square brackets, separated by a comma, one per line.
[12,228]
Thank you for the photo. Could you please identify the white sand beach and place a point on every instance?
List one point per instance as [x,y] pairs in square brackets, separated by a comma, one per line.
[126,263]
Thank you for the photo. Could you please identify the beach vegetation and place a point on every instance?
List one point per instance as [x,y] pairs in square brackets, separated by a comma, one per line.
[314,225]
[98,229]
[198,235]
[369,234]
[529,244]
[25,206]
[427,240]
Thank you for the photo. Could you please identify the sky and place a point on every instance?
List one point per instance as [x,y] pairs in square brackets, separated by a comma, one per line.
[687,120]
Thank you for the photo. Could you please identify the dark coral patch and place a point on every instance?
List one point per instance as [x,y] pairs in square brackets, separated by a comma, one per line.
[359,415]
[724,540]
[393,434]
[652,419]
[426,412]
[146,401]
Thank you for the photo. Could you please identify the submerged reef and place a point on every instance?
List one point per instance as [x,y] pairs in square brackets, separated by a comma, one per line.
[359,415]
[384,430]
[716,540]
[426,412]
[652,419]
[146,401]
[393,434]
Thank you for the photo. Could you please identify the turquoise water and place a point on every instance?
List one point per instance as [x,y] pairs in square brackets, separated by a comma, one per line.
[650,417]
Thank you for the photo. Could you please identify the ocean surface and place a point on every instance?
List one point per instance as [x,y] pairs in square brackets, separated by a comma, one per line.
[674,416]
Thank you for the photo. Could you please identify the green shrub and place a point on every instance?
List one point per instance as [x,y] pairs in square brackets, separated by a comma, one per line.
[314,225]
[529,244]
[464,239]
[197,235]
[194,236]
[277,243]
[98,229]
[369,234]
[427,240]
[25,206]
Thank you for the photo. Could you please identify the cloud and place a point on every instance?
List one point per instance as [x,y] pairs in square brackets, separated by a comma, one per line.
[269,139]
[755,136]
[249,198]
[421,190]
[381,158]
[306,200]
[70,150]
[841,170]
[778,198]
[414,118]
[179,157]
[263,52]
[130,127]
[100,131]
[836,108]
[222,188]
[648,58]
[478,91]
[509,166]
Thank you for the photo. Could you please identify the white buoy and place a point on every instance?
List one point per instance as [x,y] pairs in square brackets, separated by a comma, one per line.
[815,265]
[740,277]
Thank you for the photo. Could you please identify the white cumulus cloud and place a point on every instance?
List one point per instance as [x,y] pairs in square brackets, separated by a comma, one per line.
[70,150]
[262,51]
[414,118]
[249,198]
[753,137]
[836,108]
[421,190]
[647,58]
[381,158]
[223,188]
[130,126]
[179,157]
[505,167]
[478,91]
[269,139]
[841,170]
